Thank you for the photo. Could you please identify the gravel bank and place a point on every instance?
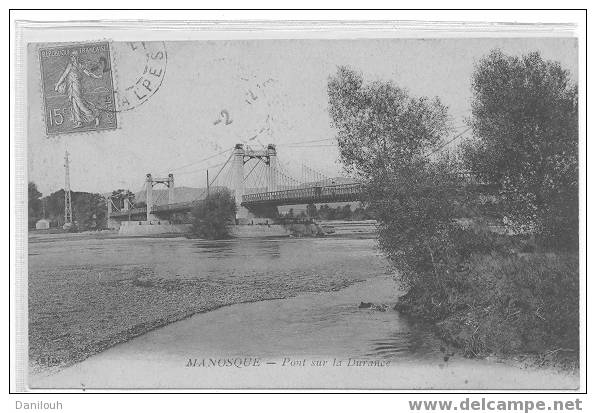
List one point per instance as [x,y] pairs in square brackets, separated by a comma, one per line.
[79,310]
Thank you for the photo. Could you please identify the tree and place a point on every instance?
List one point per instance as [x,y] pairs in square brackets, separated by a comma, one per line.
[525,124]
[346,212]
[89,211]
[324,212]
[34,210]
[55,208]
[119,195]
[384,134]
[311,211]
[379,125]
[415,209]
[212,216]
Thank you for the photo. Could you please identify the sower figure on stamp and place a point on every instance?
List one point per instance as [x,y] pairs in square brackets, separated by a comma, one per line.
[71,83]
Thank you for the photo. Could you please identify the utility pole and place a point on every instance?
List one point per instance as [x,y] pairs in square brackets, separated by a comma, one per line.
[207,183]
[67,198]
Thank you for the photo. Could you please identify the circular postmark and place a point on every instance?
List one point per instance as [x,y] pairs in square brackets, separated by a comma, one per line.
[141,69]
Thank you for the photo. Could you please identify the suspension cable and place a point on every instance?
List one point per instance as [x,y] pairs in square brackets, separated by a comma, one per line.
[222,168]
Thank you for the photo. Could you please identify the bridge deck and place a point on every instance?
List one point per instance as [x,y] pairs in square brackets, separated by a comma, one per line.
[314,195]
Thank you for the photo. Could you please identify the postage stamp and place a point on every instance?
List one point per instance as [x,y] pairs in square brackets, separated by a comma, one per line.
[78,88]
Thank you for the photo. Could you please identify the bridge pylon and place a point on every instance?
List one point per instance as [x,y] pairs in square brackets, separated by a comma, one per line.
[241,155]
[238,179]
[150,182]
[272,164]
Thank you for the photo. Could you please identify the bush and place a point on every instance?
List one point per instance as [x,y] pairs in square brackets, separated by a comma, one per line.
[527,303]
[490,298]
[212,217]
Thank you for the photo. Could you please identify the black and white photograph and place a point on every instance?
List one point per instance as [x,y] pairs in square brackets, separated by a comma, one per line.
[367,213]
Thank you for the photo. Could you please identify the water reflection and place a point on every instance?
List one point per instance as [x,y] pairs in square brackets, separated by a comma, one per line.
[238,248]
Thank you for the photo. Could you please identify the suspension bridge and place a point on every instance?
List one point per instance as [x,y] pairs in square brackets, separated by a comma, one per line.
[254,176]
[257,179]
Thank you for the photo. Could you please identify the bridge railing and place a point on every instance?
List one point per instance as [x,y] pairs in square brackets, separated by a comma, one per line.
[314,193]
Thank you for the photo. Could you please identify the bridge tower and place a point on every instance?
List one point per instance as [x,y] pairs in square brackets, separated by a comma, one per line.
[149,195]
[170,185]
[240,157]
[238,178]
[271,171]
[150,182]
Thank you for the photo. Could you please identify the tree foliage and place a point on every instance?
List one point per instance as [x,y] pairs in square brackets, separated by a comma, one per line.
[89,210]
[380,125]
[525,124]
[34,210]
[384,134]
[212,217]
[119,195]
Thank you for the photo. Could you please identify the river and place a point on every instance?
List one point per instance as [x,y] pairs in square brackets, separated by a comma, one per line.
[288,306]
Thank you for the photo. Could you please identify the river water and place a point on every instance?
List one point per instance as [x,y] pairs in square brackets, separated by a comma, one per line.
[293,314]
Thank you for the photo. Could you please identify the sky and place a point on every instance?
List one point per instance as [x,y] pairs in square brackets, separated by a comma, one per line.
[219,93]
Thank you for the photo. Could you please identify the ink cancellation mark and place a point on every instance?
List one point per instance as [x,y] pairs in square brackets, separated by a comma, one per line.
[78,88]
[141,71]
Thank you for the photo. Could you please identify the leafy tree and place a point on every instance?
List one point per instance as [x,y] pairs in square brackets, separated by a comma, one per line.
[34,212]
[383,135]
[416,208]
[525,123]
[119,195]
[346,212]
[89,210]
[380,125]
[311,211]
[212,217]
[360,213]
[55,208]
[326,212]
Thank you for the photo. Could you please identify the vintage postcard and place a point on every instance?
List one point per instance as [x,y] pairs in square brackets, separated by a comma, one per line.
[348,213]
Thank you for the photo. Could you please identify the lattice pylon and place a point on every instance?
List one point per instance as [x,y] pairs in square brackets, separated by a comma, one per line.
[67,195]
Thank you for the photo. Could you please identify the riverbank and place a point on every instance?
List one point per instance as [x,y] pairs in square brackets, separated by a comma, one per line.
[313,340]
[520,307]
[87,293]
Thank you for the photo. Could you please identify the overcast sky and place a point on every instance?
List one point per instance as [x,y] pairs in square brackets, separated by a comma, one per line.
[272,89]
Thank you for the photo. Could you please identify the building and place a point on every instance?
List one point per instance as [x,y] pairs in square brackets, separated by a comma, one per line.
[42,224]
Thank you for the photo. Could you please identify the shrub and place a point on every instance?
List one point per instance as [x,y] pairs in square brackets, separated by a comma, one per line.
[212,217]
[489,297]
[527,303]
